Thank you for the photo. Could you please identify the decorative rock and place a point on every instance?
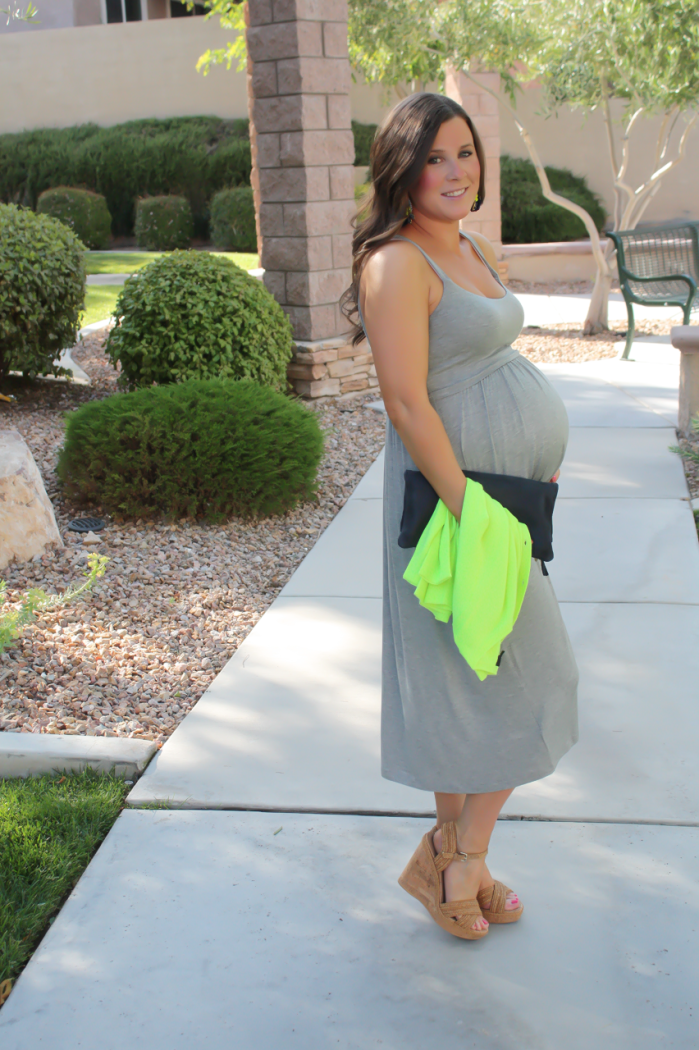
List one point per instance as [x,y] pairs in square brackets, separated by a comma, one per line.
[90,538]
[27,522]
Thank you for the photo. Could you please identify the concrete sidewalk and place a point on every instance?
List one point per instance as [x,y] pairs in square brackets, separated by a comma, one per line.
[284,925]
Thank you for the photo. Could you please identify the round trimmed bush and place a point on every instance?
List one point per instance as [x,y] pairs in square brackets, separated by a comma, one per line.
[194,315]
[233,219]
[205,448]
[529,218]
[85,212]
[163,223]
[42,290]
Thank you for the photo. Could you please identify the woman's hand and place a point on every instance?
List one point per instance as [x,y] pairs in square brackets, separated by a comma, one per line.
[556,475]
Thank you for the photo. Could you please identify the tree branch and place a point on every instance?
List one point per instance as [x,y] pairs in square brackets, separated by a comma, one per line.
[555,198]
[644,192]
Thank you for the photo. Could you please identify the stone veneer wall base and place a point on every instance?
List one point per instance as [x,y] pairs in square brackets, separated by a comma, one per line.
[331,368]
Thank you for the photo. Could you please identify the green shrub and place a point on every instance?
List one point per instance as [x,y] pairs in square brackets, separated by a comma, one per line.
[194,315]
[205,448]
[85,212]
[529,218]
[42,290]
[163,223]
[363,138]
[191,156]
[233,219]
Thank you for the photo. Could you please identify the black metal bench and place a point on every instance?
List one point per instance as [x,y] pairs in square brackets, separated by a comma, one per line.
[658,267]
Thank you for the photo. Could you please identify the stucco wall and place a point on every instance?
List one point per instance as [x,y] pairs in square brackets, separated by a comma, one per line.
[110,73]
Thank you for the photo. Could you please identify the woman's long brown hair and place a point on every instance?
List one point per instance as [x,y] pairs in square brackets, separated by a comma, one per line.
[398,155]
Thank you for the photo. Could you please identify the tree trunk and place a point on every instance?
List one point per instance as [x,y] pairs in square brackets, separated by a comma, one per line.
[597,319]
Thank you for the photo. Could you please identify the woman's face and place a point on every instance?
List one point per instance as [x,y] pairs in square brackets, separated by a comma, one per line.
[449,182]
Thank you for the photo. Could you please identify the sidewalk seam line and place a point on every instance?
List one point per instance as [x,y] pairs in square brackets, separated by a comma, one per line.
[427,814]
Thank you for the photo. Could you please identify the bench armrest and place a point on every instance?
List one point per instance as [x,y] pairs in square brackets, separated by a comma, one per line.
[629,276]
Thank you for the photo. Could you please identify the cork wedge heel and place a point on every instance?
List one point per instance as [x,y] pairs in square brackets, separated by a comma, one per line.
[492,902]
[423,878]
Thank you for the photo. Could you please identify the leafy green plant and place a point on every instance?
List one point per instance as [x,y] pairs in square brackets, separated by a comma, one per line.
[36,601]
[688,453]
[190,156]
[363,138]
[42,291]
[529,218]
[207,448]
[193,315]
[84,212]
[163,223]
[233,219]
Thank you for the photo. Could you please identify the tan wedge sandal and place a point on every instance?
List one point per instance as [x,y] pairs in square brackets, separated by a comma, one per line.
[423,878]
[492,902]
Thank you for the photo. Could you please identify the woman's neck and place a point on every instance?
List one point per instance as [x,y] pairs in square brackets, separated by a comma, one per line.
[444,236]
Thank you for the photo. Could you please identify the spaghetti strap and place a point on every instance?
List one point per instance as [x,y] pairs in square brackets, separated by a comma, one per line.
[440,273]
[495,274]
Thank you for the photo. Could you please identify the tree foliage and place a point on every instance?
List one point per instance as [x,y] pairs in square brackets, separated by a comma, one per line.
[587,54]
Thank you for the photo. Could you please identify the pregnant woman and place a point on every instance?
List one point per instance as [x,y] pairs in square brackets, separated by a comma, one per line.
[440,324]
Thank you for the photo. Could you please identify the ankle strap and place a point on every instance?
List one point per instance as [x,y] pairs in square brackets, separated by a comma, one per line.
[470,856]
[449,851]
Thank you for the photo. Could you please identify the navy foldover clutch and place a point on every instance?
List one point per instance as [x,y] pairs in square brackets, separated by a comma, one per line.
[531,502]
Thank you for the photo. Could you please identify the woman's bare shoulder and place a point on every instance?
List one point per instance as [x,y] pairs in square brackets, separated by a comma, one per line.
[393,262]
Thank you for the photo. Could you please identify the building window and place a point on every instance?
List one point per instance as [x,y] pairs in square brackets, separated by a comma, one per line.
[178,9]
[124,10]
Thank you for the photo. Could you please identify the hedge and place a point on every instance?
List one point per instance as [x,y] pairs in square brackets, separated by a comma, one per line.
[233,219]
[363,138]
[191,156]
[529,218]
[204,448]
[196,314]
[84,212]
[163,223]
[42,290]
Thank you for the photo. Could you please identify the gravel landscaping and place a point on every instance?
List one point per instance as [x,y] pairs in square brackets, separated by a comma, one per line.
[177,600]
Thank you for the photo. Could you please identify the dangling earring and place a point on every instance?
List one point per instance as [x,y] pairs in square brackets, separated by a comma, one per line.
[475,205]
[409,211]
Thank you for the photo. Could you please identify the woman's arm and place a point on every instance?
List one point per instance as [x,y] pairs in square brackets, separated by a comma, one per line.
[394,291]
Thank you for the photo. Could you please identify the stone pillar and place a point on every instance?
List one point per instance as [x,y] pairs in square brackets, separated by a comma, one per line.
[300,78]
[485,113]
[686,338]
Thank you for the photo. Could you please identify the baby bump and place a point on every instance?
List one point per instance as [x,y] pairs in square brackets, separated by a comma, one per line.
[511,422]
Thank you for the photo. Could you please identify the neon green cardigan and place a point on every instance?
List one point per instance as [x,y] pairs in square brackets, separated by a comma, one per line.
[477,572]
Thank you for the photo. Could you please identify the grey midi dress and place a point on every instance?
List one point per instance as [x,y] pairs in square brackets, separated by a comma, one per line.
[442,729]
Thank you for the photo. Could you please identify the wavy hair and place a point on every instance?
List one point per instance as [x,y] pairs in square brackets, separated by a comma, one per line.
[398,156]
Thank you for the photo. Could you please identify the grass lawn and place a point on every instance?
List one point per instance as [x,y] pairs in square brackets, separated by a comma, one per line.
[128,262]
[50,827]
[100,300]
